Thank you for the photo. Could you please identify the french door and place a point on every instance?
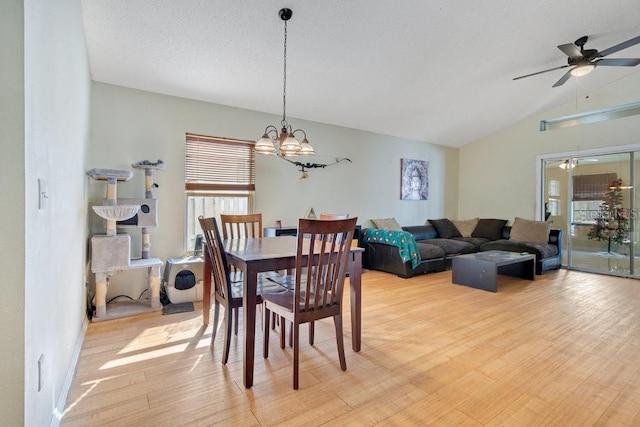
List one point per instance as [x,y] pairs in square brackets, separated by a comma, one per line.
[594,200]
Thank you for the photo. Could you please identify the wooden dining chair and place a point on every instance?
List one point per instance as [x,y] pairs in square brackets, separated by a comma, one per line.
[318,289]
[241,226]
[227,294]
[238,226]
[323,215]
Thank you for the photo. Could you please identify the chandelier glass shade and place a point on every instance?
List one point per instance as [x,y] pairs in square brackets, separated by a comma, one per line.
[283,143]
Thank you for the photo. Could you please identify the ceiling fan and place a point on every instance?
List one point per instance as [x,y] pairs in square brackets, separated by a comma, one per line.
[584,60]
[565,164]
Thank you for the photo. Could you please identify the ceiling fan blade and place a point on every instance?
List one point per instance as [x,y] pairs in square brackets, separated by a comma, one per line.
[540,72]
[563,79]
[620,46]
[619,62]
[571,51]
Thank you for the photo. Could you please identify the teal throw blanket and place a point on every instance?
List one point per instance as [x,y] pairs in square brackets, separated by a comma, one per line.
[402,239]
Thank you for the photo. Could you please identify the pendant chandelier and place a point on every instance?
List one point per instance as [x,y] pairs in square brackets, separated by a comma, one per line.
[284,143]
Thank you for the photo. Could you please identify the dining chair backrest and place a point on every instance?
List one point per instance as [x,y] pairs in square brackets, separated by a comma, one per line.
[241,226]
[326,245]
[325,215]
[217,257]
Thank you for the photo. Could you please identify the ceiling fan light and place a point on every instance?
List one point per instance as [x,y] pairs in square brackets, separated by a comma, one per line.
[565,165]
[582,69]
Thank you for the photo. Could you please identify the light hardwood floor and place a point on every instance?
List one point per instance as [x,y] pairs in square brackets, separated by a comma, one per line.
[562,350]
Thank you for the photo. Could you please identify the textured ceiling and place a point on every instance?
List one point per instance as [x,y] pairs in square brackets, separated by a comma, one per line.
[438,71]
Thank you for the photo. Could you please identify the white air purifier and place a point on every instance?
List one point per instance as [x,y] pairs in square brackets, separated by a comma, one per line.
[183,279]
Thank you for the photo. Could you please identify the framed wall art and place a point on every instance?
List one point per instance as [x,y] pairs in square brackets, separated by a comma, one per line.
[414,178]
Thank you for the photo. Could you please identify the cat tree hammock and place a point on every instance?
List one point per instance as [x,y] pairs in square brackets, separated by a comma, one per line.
[111,252]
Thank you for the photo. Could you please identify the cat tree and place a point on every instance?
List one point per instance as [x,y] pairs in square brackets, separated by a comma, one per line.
[111,252]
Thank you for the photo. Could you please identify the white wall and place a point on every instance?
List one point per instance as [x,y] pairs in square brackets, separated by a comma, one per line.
[57,90]
[130,125]
[12,223]
[498,173]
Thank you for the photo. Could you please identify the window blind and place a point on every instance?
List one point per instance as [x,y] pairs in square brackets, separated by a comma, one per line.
[219,164]
[591,187]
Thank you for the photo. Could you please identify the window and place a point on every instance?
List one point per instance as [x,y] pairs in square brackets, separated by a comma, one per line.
[591,187]
[219,178]
[588,195]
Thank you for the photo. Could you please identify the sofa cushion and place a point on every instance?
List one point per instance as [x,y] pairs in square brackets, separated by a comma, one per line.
[489,228]
[526,230]
[429,251]
[475,241]
[445,227]
[453,246]
[541,250]
[387,224]
[465,228]
[422,232]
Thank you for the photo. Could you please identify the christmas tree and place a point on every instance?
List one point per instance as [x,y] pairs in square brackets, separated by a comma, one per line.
[612,223]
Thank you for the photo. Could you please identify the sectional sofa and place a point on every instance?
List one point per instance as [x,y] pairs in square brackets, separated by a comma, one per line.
[412,250]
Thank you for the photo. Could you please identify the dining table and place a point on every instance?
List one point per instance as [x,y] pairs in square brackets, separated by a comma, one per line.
[263,254]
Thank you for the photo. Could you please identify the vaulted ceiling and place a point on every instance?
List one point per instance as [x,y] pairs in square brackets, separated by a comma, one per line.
[439,71]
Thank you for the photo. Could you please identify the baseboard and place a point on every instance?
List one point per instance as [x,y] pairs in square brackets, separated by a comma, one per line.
[58,411]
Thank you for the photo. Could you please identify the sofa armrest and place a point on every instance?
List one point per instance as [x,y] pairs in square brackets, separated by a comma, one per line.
[402,240]
[555,238]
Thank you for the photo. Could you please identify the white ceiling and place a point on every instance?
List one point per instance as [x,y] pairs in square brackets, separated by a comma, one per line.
[438,71]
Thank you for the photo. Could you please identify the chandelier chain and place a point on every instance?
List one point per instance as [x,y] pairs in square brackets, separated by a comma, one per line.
[284,83]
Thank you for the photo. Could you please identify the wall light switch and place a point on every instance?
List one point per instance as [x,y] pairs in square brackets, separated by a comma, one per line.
[42,194]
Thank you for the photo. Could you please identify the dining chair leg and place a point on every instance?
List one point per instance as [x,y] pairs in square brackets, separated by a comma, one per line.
[216,316]
[311,332]
[227,335]
[337,320]
[283,332]
[295,331]
[290,335]
[235,313]
[265,338]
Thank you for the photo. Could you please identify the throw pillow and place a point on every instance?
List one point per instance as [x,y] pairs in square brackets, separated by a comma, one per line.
[489,228]
[387,224]
[530,231]
[445,228]
[466,227]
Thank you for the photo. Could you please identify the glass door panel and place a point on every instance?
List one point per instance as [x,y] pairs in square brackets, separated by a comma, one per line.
[555,196]
[633,217]
[599,215]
